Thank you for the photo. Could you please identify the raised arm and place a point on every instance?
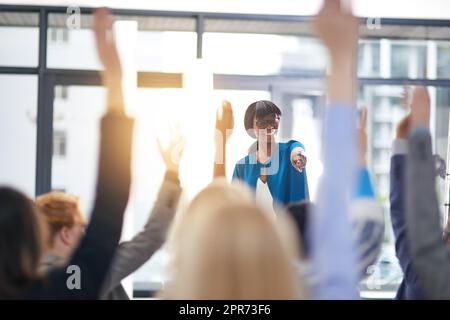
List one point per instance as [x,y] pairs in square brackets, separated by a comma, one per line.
[424,232]
[131,255]
[224,128]
[332,244]
[397,199]
[95,253]
[366,214]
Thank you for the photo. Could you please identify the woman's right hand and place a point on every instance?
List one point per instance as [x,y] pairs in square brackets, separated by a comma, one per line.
[420,107]
[225,119]
[338,29]
[173,153]
[109,57]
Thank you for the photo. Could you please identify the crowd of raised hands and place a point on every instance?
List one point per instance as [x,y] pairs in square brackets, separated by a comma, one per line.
[224,246]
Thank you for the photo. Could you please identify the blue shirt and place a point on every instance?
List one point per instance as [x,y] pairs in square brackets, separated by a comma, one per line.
[332,245]
[285,183]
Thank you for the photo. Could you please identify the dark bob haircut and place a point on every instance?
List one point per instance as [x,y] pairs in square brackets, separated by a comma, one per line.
[259,109]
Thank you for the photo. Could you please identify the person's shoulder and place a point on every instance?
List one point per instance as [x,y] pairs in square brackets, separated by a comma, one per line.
[243,160]
[240,166]
[289,145]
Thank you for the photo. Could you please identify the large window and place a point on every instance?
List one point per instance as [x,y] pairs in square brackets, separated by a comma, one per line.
[261,54]
[18,114]
[20,39]
[252,59]
[76,140]
[163,44]
[443,60]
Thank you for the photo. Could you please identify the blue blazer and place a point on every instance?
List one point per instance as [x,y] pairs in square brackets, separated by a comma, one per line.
[285,183]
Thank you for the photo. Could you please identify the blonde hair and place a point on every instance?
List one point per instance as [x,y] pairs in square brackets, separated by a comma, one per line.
[59,210]
[228,248]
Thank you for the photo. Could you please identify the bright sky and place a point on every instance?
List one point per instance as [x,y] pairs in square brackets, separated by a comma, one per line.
[426,9]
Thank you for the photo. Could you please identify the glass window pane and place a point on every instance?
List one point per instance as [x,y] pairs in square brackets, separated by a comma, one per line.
[443,60]
[76,122]
[369,59]
[15,52]
[385,111]
[157,49]
[409,60]
[414,59]
[442,121]
[18,132]
[261,54]
[160,51]
[63,49]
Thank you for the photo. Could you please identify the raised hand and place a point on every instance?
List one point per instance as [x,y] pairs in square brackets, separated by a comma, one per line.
[337,28]
[108,56]
[403,127]
[420,108]
[225,119]
[173,153]
[224,128]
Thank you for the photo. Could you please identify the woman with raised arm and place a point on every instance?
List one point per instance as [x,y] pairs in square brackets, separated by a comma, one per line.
[224,128]
[429,254]
[21,231]
[333,259]
[64,218]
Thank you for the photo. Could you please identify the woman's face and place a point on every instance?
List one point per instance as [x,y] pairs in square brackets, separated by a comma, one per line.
[266,127]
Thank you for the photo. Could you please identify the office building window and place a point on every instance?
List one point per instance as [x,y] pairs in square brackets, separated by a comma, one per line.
[59,143]
[59,35]
[61,92]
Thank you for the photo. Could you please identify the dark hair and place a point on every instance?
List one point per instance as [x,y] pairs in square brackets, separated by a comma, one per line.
[20,243]
[258,110]
[300,212]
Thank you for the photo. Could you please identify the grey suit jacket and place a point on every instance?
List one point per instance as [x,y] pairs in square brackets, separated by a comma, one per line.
[429,254]
[131,255]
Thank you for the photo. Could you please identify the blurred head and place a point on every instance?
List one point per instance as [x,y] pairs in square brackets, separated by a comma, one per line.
[217,194]
[230,249]
[64,219]
[262,120]
[21,245]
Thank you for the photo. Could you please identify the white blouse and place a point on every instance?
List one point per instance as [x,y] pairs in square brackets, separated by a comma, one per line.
[264,197]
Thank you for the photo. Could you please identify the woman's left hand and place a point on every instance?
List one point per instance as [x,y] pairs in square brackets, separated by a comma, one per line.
[173,153]
[225,120]
[298,159]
